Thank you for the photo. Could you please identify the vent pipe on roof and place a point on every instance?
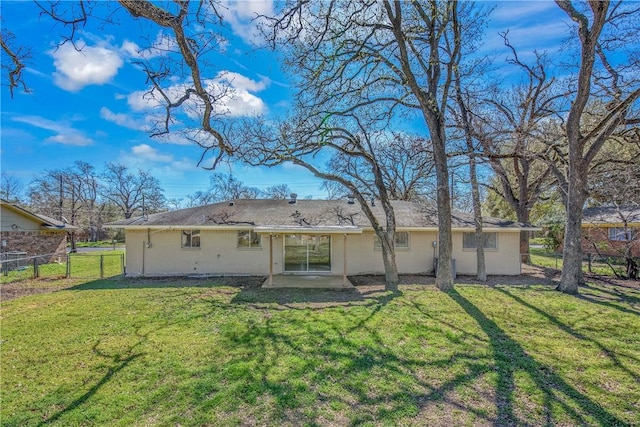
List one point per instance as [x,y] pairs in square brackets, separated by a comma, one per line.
[350,199]
[294,196]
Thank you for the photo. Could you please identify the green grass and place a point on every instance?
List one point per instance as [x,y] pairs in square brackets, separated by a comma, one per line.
[85,265]
[191,353]
[552,260]
[98,244]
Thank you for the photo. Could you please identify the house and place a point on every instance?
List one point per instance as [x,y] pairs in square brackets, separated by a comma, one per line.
[611,230]
[26,234]
[333,237]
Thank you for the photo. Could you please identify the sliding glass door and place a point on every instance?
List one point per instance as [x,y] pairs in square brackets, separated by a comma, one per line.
[307,253]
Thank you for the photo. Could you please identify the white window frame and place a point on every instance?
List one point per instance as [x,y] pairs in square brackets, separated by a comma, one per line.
[377,243]
[190,239]
[469,241]
[253,237]
[621,234]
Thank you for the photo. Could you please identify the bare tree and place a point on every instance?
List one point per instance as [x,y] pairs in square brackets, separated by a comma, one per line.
[369,60]
[298,139]
[11,188]
[602,30]
[88,187]
[228,187]
[56,193]
[513,137]
[464,120]
[132,193]
[278,191]
[334,190]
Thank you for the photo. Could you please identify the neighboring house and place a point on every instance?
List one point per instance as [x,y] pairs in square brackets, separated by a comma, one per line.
[266,237]
[612,230]
[27,234]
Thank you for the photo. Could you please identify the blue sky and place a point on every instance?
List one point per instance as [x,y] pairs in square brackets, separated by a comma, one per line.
[87,106]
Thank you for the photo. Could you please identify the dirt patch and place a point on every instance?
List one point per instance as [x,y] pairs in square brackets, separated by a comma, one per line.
[10,291]
[366,284]
[531,275]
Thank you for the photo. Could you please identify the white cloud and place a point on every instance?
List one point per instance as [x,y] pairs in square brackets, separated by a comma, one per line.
[242,83]
[146,157]
[232,90]
[64,133]
[240,14]
[90,65]
[121,119]
[148,153]
[70,138]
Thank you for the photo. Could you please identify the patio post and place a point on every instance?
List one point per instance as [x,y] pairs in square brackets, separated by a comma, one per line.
[344,268]
[270,259]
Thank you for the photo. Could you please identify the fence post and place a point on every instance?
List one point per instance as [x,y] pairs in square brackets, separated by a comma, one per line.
[589,262]
[122,264]
[68,266]
[35,268]
[101,266]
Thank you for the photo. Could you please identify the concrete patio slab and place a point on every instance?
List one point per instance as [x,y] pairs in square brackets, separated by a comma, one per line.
[309,282]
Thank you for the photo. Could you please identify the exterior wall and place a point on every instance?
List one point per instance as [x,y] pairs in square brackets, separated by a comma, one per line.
[600,235]
[218,254]
[13,221]
[503,261]
[53,244]
[417,259]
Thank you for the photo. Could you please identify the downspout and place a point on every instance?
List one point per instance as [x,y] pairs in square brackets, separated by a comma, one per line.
[145,245]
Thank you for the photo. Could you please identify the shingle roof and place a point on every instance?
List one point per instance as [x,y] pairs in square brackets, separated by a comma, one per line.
[248,213]
[611,215]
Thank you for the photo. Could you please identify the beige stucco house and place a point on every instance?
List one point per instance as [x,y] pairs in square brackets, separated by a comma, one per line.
[333,237]
[26,234]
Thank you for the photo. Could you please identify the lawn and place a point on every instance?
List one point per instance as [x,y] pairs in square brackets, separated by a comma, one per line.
[191,353]
[87,265]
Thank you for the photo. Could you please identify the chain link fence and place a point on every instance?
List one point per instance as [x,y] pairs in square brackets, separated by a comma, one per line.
[17,266]
[606,265]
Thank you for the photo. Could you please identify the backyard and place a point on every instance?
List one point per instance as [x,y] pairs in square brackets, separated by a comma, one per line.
[225,352]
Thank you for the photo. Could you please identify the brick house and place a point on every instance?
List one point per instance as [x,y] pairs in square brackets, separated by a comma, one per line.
[612,230]
[29,234]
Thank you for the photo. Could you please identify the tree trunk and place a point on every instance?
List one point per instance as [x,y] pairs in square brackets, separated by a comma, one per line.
[481,270]
[525,251]
[444,276]
[571,277]
[390,267]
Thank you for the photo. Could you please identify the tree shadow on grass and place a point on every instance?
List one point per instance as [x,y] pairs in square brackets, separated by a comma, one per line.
[248,282]
[568,329]
[611,297]
[118,363]
[511,358]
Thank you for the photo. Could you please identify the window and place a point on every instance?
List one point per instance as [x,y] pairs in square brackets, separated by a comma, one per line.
[190,238]
[402,240]
[621,233]
[248,239]
[490,240]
